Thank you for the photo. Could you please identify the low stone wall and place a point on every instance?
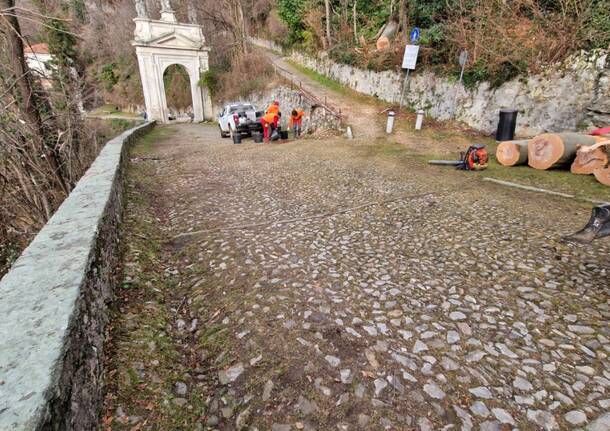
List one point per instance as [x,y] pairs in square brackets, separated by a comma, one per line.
[263,43]
[315,116]
[54,303]
[568,96]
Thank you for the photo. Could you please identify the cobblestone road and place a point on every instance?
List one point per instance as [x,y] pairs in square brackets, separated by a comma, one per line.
[341,286]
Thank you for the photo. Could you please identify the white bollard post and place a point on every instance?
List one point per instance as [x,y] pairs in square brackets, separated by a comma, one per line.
[348,133]
[390,124]
[419,120]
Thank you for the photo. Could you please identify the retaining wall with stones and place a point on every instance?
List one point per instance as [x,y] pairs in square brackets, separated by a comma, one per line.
[567,96]
[54,305]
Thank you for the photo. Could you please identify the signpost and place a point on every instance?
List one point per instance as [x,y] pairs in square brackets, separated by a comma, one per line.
[409,60]
[462,59]
[414,34]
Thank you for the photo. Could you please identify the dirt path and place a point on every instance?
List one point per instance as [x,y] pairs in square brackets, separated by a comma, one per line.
[334,285]
[361,116]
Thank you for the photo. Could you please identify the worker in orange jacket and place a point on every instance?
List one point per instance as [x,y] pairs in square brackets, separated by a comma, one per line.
[269,122]
[274,108]
[296,122]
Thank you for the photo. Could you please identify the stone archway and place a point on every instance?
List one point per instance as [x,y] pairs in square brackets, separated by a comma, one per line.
[162,43]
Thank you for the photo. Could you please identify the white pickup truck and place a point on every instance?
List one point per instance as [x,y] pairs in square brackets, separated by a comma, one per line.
[239,117]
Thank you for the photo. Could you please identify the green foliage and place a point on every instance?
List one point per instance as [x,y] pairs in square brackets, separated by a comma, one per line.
[426,14]
[210,80]
[176,81]
[506,72]
[308,41]
[292,13]
[473,75]
[62,43]
[108,76]
[505,39]
[597,25]
[80,10]
[343,54]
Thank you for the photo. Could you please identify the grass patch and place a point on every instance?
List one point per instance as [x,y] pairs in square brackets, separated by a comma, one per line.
[327,82]
[558,180]
[144,145]
[113,110]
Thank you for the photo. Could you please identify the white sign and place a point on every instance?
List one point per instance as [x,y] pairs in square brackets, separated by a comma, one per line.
[409,60]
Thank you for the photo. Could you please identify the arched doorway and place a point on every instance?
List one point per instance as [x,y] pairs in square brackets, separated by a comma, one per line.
[163,43]
[178,93]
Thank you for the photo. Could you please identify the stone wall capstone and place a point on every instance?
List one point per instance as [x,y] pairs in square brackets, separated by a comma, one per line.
[54,305]
[564,97]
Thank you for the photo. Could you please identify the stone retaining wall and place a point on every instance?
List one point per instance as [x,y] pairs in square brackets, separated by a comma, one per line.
[565,97]
[54,303]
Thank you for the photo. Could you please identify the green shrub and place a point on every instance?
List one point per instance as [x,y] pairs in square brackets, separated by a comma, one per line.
[108,77]
[292,13]
[210,80]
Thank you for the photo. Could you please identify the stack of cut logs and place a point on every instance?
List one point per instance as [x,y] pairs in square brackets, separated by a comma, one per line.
[588,154]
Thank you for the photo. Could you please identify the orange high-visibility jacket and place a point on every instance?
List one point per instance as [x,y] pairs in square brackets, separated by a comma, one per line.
[269,117]
[273,109]
[296,119]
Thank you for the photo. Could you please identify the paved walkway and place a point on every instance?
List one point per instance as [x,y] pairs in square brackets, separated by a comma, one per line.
[336,286]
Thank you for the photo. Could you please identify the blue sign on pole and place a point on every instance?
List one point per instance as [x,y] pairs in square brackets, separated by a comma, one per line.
[415,34]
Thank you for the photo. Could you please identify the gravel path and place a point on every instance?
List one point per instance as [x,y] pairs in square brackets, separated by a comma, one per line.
[332,285]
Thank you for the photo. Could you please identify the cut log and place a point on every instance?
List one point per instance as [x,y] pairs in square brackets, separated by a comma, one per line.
[512,153]
[552,150]
[591,157]
[603,175]
[387,35]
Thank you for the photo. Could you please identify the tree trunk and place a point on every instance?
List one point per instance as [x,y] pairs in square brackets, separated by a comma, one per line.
[387,35]
[238,27]
[512,153]
[590,158]
[403,17]
[551,150]
[354,19]
[9,25]
[328,39]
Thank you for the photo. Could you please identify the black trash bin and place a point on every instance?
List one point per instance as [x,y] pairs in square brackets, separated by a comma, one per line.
[258,137]
[506,125]
[236,138]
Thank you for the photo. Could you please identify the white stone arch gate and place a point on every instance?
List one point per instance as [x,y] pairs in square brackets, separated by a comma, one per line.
[159,44]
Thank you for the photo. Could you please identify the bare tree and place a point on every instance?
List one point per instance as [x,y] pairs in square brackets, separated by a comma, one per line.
[327,8]
[22,80]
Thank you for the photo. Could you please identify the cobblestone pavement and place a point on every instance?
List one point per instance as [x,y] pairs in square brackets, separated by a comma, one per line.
[342,286]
